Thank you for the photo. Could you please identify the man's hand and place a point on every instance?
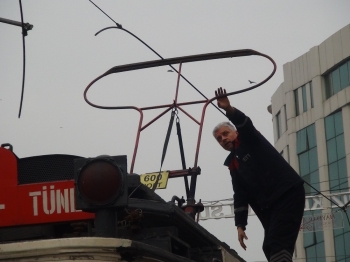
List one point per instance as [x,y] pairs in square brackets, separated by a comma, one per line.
[223,102]
[241,236]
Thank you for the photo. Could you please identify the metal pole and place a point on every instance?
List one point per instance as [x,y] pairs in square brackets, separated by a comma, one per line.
[106,223]
[26,26]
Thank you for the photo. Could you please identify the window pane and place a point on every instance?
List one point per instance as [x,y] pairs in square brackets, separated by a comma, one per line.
[334,186]
[285,117]
[339,247]
[347,241]
[329,88]
[333,172]
[311,136]
[309,239]
[340,146]
[343,176]
[301,141]
[303,90]
[331,151]
[278,124]
[319,234]
[336,81]
[333,177]
[296,100]
[315,182]
[311,95]
[320,252]
[315,179]
[313,159]
[306,186]
[304,164]
[342,168]
[338,231]
[311,254]
[338,123]
[346,225]
[329,123]
[344,76]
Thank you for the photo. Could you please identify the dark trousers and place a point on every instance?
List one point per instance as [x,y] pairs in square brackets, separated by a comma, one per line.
[282,223]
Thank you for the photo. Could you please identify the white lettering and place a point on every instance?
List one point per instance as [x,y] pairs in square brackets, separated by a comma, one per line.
[52,200]
[217,210]
[62,201]
[72,199]
[317,203]
[337,201]
[35,201]
[2,206]
[206,211]
[307,204]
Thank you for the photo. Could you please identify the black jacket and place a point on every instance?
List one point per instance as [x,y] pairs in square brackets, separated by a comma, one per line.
[260,175]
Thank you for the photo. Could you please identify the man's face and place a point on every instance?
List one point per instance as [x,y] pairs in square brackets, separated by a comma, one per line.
[225,136]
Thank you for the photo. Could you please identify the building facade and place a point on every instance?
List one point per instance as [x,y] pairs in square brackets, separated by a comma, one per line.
[311,119]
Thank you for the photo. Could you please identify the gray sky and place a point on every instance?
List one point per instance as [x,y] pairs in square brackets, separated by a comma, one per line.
[63,56]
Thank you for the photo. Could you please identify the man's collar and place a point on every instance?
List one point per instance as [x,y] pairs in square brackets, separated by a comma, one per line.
[232,154]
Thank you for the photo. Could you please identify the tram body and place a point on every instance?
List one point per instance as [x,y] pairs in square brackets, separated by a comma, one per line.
[39,220]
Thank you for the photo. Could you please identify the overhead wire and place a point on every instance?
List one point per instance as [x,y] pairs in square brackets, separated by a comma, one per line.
[119,26]
[24,33]
[343,257]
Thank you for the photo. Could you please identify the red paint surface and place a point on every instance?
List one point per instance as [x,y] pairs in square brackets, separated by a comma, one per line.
[17,206]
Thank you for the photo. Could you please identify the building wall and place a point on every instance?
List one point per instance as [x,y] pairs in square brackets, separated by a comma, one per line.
[311,69]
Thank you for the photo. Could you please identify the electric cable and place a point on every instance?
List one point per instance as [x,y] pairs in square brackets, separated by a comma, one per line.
[342,208]
[323,181]
[119,26]
[24,33]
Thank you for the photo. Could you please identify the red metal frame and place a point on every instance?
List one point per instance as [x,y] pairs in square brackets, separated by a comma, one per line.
[175,104]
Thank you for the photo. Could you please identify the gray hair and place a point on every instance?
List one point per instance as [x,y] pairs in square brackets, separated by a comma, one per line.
[228,124]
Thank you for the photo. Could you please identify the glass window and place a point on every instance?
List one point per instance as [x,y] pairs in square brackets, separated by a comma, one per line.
[336,81]
[340,146]
[296,100]
[311,95]
[309,239]
[330,130]
[314,181]
[338,180]
[308,160]
[320,252]
[333,177]
[338,123]
[278,125]
[314,243]
[340,247]
[329,88]
[344,76]
[313,159]
[311,254]
[331,151]
[311,136]
[342,168]
[336,152]
[285,117]
[307,188]
[302,141]
[303,92]
[304,163]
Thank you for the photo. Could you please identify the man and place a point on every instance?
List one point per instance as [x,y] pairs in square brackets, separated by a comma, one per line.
[262,179]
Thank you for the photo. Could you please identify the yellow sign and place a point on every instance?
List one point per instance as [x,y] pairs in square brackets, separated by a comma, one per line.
[150,178]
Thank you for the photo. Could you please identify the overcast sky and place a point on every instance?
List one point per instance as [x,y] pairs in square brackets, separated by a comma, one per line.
[63,56]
